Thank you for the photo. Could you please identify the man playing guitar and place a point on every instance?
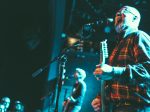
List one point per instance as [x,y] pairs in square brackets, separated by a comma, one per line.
[74,102]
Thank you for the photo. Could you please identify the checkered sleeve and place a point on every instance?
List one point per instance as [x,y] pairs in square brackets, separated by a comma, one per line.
[141,70]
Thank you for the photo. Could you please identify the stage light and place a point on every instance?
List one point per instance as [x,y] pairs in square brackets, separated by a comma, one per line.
[72,41]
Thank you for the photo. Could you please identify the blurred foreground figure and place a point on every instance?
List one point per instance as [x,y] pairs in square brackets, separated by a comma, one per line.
[5,101]
[2,108]
[18,107]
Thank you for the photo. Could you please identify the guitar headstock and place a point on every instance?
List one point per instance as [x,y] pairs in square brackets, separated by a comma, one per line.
[103,51]
[104,48]
[103,56]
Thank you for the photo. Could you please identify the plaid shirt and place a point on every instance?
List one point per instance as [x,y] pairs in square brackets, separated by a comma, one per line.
[133,85]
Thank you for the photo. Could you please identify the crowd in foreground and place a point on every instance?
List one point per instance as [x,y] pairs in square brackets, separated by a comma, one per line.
[17,106]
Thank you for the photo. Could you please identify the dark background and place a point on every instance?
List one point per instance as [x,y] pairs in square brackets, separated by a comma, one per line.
[27,40]
[24,46]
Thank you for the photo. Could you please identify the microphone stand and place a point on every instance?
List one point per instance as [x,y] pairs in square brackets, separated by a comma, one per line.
[57,58]
[62,64]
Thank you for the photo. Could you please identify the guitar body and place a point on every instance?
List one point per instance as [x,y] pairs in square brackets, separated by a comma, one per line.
[66,106]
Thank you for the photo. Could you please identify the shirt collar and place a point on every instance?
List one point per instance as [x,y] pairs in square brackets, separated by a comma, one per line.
[127,32]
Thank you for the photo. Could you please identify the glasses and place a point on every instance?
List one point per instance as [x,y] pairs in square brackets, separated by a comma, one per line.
[125,10]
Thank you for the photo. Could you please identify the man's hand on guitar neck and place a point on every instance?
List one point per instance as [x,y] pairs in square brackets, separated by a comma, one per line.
[66,102]
[69,99]
[104,72]
[107,72]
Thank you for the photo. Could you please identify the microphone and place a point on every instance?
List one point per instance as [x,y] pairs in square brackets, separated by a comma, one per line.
[90,27]
[37,72]
[101,21]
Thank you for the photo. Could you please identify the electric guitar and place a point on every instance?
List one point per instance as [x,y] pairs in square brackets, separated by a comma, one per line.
[103,57]
[65,107]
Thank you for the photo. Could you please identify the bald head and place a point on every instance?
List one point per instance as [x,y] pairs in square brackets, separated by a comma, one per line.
[134,12]
[127,18]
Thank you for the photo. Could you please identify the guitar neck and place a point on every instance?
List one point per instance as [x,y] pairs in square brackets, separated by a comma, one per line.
[103,56]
